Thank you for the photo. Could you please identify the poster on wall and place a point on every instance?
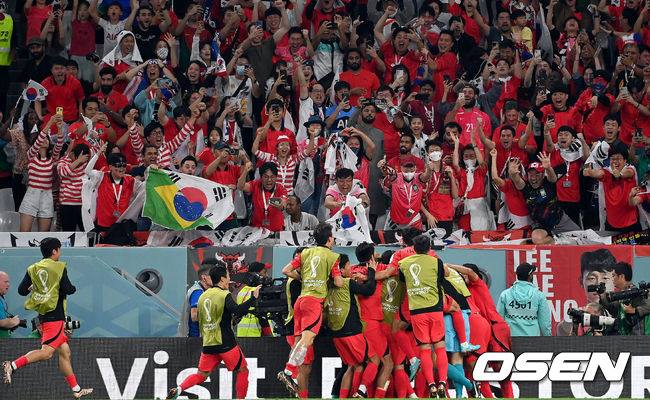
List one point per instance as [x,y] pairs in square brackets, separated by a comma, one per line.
[564,273]
[236,259]
[33,239]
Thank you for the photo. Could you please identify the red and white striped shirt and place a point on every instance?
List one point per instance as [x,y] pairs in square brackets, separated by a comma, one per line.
[287,172]
[41,170]
[71,182]
[166,150]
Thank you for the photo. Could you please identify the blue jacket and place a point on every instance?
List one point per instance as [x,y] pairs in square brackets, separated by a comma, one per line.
[525,309]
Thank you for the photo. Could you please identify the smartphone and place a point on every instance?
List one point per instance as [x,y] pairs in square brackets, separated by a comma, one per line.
[615,3]
[259,23]
[638,133]
[345,97]
[165,82]
[446,77]
[538,53]
[56,7]
[237,7]
[275,200]
[59,110]
[461,96]
[399,73]
[211,91]
[550,118]
[333,26]
[624,90]
[422,96]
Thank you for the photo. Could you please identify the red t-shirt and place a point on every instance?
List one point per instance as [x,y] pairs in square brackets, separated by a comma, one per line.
[471,26]
[364,79]
[116,102]
[478,189]
[265,215]
[66,95]
[508,91]
[447,65]
[371,305]
[107,193]
[228,176]
[35,18]
[468,120]
[188,36]
[370,66]
[570,117]
[483,300]
[406,196]
[568,186]
[514,199]
[440,205]
[593,123]
[617,191]
[629,117]
[410,60]
[391,135]
[270,142]
[520,130]
[504,155]
[83,37]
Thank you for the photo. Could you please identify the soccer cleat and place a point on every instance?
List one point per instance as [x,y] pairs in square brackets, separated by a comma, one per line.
[442,390]
[414,369]
[360,394]
[81,393]
[475,391]
[433,391]
[469,347]
[288,382]
[173,393]
[7,371]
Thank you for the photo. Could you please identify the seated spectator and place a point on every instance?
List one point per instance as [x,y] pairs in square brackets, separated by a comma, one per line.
[296,219]
[269,198]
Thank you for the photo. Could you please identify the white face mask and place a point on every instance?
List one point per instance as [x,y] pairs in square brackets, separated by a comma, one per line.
[408,176]
[435,156]
[470,163]
[162,53]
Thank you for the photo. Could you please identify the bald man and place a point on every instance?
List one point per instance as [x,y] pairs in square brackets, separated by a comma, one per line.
[6,323]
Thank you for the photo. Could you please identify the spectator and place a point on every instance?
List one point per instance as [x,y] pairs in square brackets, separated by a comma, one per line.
[345,185]
[595,103]
[53,34]
[396,50]
[425,107]
[296,219]
[631,108]
[146,34]
[71,170]
[113,24]
[467,114]
[406,144]
[36,15]
[39,65]
[441,190]
[224,173]
[512,211]
[524,306]
[558,111]
[64,92]
[269,198]
[364,148]
[363,83]
[188,165]
[149,157]
[124,56]
[82,39]
[337,116]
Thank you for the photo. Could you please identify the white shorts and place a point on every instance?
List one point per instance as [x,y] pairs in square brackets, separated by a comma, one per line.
[37,203]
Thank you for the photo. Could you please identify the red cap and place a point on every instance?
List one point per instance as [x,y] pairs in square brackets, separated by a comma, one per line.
[537,166]
[409,159]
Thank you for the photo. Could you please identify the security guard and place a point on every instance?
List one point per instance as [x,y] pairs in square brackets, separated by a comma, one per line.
[6,35]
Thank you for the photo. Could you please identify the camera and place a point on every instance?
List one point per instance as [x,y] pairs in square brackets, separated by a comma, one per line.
[589,320]
[21,324]
[233,152]
[71,324]
[276,109]
[599,288]
[272,302]
[93,57]
[629,294]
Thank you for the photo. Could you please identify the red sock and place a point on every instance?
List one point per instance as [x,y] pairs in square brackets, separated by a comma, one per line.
[506,388]
[356,381]
[405,344]
[72,381]
[390,393]
[369,374]
[192,380]
[421,387]
[371,390]
[242,384]
[293,369]
[21,362]
[427,365]
[486,391]
[344,393]
[304,394]
[459,325]
[441,363]
[379,393]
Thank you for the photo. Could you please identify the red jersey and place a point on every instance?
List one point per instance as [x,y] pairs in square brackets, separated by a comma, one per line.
[265,215]
[594,117]
[83,37]
[364,79]
[440,204]
[478,189]
[617,191]
[471,26]
[520,130]
[391,135]
[569,117]
[401,254]
[483,300]
[629,117]
[468,121]
[406,200]
[447,65]
[410,60]
[270,142]
[504,155]
[568,186]
[508,91]
[228,176]
[371,305]
[68,95]
[396,163]
[108,194]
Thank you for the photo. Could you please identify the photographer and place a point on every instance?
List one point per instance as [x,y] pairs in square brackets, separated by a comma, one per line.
[627,303]
[8,323]
[592,320]
[250,324]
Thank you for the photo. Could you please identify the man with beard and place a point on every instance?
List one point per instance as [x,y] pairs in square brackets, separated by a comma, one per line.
[146,34]
[39,66]
[467,114]
[260,51]
[406,143]
[362,82]
[366,125]
[63,91]
[502,30]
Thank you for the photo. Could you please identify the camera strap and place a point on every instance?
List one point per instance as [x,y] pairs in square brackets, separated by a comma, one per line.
[4,305]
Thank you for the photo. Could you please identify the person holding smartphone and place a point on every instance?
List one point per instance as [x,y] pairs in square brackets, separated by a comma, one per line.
[269,198]
[363,83]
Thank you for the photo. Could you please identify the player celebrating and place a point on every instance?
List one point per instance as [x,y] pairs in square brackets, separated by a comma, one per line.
[316,265]
[216,308]
[48,282]
[423,275]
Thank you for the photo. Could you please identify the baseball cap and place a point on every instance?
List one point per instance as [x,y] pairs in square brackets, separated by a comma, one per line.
[524,271]
[221,145]
[537,166]
[408,160]
[36,40]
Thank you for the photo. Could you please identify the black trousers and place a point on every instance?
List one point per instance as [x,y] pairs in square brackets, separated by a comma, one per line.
[71,218]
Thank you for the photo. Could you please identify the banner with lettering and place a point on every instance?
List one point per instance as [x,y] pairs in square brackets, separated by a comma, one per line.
[564,272]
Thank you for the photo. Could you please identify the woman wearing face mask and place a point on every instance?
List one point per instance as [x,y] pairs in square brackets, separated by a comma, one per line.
[472,172]
[364,148]
[166,51]
[441,190]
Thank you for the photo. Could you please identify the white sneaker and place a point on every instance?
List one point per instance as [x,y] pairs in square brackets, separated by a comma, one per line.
[7,371]
[81,393]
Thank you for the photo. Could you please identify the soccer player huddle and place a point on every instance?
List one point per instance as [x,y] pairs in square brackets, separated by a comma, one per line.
[406,311]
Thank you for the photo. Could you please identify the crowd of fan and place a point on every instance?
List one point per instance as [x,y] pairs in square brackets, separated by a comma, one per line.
[473,115]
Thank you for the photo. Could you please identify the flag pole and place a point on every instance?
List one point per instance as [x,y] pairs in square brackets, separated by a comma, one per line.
[16,116]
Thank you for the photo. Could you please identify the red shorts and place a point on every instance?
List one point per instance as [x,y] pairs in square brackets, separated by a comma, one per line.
[233,358]
[404,314]
[291,339]
[377,339]
[307,315]
[500,339]
[353,350]
[53,334]
[428,327]
[447,302]
[480,333]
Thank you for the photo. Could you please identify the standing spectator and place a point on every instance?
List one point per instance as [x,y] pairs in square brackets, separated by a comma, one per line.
[524,306]
[396,50]
[146,34]
[406,144]
[364,148]
[363,83]
[631,108]
[296,220]
[558,111]
[53,34]
[618,180]
[595,103]
[82,39]
[124,56]
[339,114]
[467,114]
[441,190]
[36,14]
[513,212]
[345,185]
[269,198]
[312,103]
[224,173]
[511,117]
[425,107]
[444,66]
[39,65]
[21,139]
[475,24]
[71,170]
[64,91]
[114,24]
